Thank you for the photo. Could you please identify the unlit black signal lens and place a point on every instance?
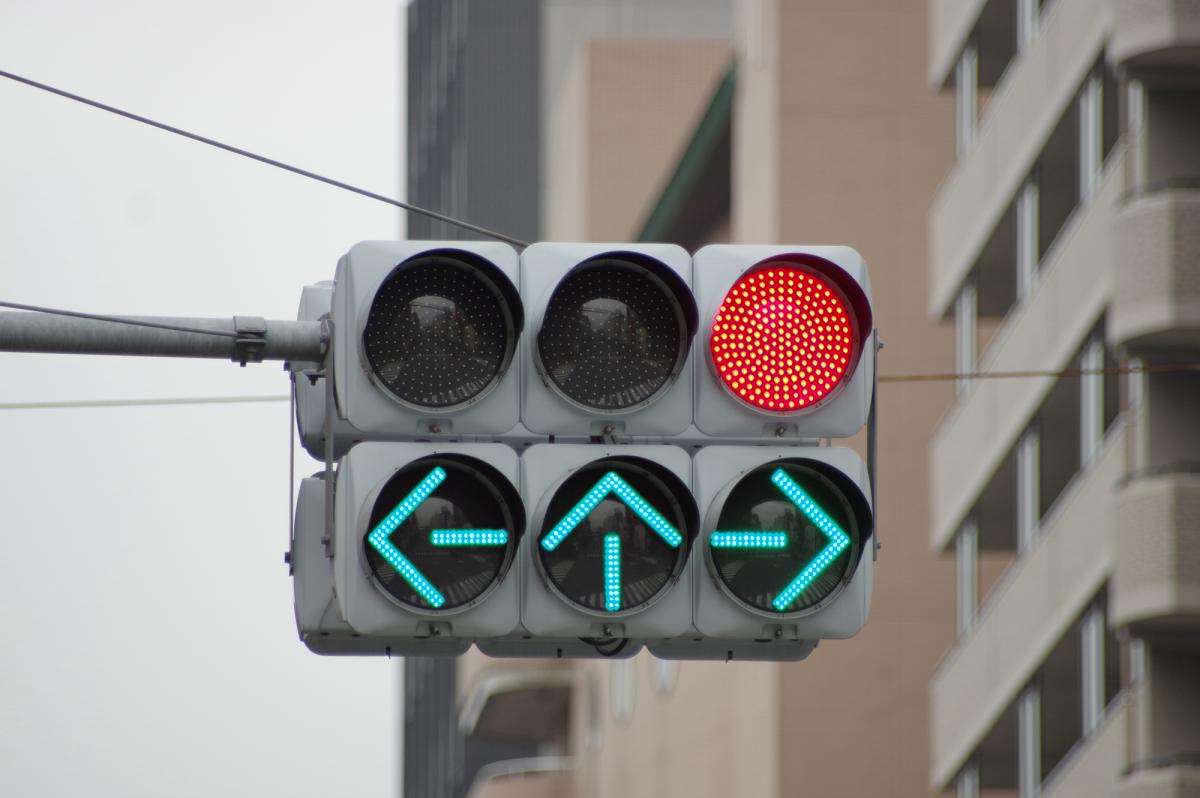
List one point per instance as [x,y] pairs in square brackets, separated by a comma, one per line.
[442,329]
[616,332]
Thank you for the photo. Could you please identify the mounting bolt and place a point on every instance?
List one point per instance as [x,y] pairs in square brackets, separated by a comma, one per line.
[607,630]
[780,431]
[435,428]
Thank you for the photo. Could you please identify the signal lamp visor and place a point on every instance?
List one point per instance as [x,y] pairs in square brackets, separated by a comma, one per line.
[787,335]
[615,535]
[616,332]
[787,536]
[442,533]
[442,330]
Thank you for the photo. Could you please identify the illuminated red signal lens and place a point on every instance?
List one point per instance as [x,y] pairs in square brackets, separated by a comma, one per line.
[784,339]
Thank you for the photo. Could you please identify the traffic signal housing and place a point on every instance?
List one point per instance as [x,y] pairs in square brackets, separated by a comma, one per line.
[637,466]
[788,350]
[425,539]
[425,335]
[611,327]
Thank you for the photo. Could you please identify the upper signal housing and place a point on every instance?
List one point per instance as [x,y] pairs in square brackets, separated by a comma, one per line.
[789,341]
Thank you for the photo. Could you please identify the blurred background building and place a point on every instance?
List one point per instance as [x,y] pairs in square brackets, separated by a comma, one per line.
[1023,178]
[1067,236]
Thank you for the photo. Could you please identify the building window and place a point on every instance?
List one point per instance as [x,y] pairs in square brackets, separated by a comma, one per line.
[966,551]
[966,97]
[966,319]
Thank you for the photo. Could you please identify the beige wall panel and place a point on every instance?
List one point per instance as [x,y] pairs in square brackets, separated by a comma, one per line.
[625,115]
[713,736]
[863,146]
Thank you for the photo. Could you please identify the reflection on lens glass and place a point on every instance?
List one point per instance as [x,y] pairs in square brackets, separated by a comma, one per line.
[442,532]
[614,536]
[439,332]
[785,538]
[613,336]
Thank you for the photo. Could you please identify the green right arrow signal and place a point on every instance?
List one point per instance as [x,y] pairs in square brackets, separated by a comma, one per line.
[777,539]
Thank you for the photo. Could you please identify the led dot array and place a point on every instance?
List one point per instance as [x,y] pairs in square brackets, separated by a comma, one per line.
[612,336]
[838,539]
[612,572]
[380,538]
[611,483]
[782,339]
[748,540]
[438,334]
[468,537]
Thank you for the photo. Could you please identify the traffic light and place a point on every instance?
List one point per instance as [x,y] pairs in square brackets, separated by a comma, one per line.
[424,539]
[640,465]
[611,327]
[788,354]
[788,351]
[424,338]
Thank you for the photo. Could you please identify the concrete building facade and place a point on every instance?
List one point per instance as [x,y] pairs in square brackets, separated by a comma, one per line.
[1066,241]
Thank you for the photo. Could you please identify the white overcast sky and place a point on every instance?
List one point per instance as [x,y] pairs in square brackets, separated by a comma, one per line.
[149,645]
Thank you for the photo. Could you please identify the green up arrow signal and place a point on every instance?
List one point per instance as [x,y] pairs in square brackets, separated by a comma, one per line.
[776,539]
[611,482]
[380,538]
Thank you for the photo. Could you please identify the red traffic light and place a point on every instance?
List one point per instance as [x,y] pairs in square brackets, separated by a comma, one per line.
[787,335]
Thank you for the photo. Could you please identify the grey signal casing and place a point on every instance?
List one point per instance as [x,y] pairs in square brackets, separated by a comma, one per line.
[316,301]
[545,614]
[543,410]
[722,626]
[362,474]
[318,620]
[370,409]
[716,268]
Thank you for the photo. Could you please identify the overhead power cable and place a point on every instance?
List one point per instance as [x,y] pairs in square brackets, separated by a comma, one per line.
[118,320]
[441,217]
[1175,368]
[183,400]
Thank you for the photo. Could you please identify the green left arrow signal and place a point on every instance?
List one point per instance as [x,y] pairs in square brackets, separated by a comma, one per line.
[380,538]
[777,539]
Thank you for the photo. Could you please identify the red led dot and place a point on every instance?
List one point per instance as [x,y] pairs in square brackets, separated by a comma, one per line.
[786,339]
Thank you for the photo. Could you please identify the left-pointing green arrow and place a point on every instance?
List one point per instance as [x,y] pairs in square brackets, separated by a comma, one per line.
[380,538]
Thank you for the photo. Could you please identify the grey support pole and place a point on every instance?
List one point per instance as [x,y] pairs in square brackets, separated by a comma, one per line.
[243,339]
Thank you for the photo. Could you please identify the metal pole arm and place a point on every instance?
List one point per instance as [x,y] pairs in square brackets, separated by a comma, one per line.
[241,339]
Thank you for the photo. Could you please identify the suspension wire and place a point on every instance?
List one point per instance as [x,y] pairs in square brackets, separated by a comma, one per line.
[118,320]
[185,400]
[269,161]
[1177,368]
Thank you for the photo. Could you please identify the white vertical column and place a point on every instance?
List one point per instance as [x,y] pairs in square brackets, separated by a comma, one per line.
[1029,742]
[1135,98]
[1091,401]
[1027,237]
[967,783]
[1092,668]
[966,322]
[1028,477]
[966,99]
[1027,23]
[1091,127]
[966,562]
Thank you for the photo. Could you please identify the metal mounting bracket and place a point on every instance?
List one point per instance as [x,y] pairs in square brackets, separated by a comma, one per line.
[251,339]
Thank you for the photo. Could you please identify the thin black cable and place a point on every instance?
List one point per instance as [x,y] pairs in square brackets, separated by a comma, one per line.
[1177,368]
[118,320]
[270,161]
